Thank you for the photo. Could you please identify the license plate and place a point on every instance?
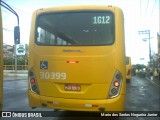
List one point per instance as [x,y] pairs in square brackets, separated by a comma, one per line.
[72,87]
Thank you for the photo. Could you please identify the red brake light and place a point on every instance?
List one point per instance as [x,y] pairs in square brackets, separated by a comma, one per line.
[72,62]
[32,80]
[116,83]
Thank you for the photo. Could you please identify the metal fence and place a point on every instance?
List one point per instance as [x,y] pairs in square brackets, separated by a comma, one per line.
[12,67]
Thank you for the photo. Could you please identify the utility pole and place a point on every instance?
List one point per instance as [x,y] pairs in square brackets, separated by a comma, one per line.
[148,33]
[1,62]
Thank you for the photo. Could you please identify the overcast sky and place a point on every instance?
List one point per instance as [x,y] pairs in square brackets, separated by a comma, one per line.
[139,15]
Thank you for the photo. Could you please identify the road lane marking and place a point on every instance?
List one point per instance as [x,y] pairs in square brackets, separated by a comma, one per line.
[154,83]
[14,88]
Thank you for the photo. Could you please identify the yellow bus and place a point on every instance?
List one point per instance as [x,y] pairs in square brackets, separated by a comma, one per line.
[128,68]
[77,59]
[1,63]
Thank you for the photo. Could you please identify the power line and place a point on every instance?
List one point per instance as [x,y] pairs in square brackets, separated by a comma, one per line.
[147,7]
[17,9]
[7,29]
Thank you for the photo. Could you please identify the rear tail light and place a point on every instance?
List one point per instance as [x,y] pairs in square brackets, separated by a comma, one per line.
[72,61]
[115,85]
[33,82]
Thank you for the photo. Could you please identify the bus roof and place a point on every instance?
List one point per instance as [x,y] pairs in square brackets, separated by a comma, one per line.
[75,7]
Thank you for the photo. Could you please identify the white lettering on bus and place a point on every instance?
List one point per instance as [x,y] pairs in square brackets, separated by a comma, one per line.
[101,19]
[53,75]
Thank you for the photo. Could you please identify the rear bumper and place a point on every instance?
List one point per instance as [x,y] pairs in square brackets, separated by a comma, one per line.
[115,104]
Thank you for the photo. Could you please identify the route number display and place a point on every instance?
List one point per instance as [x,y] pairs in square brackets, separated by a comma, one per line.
[101,19]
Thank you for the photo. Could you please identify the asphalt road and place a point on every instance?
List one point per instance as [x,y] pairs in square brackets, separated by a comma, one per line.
[141,95]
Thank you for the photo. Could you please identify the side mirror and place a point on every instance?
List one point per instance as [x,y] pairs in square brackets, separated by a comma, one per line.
[16,35]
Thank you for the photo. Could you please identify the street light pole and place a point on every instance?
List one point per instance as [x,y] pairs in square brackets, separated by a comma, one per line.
[147,32]
[149,38]
[16,29]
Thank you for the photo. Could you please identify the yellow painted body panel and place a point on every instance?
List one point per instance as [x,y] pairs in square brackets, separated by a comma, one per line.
[94,70]
[1,63]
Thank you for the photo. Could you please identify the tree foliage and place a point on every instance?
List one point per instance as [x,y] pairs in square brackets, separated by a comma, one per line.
[139,66]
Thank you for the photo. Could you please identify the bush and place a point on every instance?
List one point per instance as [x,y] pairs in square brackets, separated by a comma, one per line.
[8,61]
[11,61]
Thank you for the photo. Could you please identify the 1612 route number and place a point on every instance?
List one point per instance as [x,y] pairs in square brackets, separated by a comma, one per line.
[101,19]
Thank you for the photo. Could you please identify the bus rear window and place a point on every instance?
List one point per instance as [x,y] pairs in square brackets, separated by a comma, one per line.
[127,60]
[75,28]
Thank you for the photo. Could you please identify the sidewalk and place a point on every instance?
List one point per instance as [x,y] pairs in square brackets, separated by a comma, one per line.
[155,81]
[11,73]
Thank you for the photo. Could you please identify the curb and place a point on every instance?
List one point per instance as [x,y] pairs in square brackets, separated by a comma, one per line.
[14,75]
[153,81]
